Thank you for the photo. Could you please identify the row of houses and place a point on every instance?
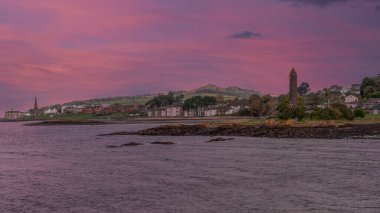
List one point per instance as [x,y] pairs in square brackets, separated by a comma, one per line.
[352,101]
[372,105]
[177,111]
[353,90]
[14,115]
[94,109]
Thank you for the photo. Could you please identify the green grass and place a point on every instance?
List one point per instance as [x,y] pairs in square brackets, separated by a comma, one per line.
[63,117]
[369,118]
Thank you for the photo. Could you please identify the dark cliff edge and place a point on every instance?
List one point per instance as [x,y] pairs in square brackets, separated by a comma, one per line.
[354,131]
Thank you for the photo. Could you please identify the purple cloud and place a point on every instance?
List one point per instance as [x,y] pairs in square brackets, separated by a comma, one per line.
[245,35]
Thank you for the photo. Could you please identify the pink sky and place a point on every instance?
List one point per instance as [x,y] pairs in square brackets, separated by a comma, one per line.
[68,50]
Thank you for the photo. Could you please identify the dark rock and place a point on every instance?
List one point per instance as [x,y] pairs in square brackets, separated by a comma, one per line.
[317,132]
[219,139]
[123,145]
[163,142]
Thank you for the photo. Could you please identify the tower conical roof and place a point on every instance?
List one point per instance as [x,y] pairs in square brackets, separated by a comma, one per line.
[293,71]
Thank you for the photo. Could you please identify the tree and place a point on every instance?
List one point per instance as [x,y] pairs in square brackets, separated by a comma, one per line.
[288,112]
[161,100]
[374,95]
[198,101]
[313,100]
[367,87]
[284,103]
[304,88]
[220,98]
[179,98]
[208,101]
[268,105]
[254,103]
[300,110]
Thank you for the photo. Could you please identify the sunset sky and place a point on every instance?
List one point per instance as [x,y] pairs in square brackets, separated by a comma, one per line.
[63,50]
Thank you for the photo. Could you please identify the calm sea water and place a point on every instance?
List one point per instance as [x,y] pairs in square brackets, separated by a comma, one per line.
[69,169]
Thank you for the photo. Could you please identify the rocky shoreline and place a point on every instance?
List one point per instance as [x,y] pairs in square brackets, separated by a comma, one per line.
[354,131]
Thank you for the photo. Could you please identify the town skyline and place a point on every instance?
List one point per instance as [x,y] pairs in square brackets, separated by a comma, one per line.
[47,103]
[292,93]
[62,51]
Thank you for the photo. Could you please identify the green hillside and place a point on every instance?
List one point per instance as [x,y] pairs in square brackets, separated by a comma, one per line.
[228,93]
[114,100]
[209,90]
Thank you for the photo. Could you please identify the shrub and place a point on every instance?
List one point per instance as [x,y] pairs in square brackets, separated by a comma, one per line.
[270,123]
[244,112]
[338,111]
[325,114]
[289,112]
[346,112]
[290,122]
[359,113]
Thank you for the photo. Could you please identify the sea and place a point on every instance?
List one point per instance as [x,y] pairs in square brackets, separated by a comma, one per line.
[70,169]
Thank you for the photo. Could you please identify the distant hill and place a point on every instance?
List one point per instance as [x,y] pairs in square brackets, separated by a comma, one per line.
[210,90]
[140,99]
[229,92]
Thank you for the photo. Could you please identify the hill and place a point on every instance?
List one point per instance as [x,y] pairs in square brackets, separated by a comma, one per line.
[210,90]
[229,92]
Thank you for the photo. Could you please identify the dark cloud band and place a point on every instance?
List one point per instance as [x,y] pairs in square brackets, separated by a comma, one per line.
[325,3]
[245,35]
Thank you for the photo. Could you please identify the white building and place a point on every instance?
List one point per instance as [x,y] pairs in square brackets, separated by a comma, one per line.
[355,89]
[351,101]
[345,90]
[51,111]
[173,111]
[13,115]
[233,110]
[165,112]
[210,112]
[189,113]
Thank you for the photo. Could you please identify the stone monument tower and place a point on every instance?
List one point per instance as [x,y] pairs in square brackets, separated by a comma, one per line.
[293,87]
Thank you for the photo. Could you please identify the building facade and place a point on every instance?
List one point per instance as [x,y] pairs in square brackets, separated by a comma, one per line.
[351,101]
[13,115]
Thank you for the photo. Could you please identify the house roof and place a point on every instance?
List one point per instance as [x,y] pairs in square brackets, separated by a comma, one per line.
[376,107]
[373,100]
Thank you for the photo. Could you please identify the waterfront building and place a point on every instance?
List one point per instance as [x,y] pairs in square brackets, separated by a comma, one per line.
[210,112]
[13,115]
[170,111]
[173,111]
[233,110]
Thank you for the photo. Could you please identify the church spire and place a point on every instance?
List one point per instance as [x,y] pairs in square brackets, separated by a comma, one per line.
[35,104]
